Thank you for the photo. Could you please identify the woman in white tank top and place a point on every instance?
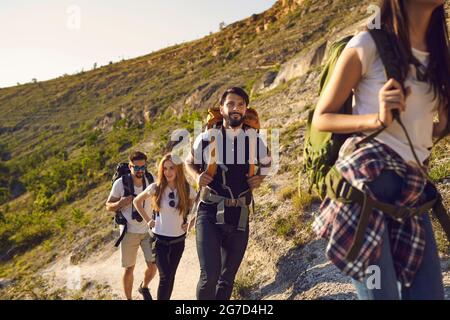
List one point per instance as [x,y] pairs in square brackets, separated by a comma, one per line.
[171,198]
[403,254]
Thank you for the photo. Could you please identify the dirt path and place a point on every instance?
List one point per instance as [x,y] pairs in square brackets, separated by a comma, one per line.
[299,274]
[105,268]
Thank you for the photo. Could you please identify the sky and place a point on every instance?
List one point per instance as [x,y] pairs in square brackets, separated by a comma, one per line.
[43,39]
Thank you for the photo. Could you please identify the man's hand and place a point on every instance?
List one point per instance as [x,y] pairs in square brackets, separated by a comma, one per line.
[204,179]
[255,181]
[184,226]
[125,201]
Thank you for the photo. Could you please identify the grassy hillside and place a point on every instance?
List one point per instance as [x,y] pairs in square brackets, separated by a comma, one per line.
[60,139]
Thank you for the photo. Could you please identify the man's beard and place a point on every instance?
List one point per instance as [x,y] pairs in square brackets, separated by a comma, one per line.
[235,122]
[139,174]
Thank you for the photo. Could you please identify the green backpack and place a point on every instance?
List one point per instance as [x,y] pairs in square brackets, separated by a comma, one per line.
[321,149]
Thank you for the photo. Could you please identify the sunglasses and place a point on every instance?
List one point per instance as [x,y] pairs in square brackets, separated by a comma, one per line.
[172,202]
[139,168]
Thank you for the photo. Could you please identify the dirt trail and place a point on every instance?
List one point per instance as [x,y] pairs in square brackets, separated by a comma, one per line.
[105,268]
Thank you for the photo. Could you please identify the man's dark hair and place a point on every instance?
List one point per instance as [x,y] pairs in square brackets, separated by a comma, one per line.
[137,155]
[236,90]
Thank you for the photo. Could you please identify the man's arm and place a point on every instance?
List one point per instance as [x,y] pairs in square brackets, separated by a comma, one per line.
[114,204]
[202,178]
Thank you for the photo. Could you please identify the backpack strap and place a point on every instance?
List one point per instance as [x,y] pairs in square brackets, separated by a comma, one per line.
[389,54]
[149,177]
[128,185]
[122,235]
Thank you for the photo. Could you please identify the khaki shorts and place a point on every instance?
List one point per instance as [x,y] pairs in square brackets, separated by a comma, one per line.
[129,248]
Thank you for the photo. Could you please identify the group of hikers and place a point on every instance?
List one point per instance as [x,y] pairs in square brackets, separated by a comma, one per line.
[159,214]
[385,94]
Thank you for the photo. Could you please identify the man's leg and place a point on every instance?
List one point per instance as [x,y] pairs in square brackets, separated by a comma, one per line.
[128,251]
[232,252]
[208,238]
[150,272]
[128,279]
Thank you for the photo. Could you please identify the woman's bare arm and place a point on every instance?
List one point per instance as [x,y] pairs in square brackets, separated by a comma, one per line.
[138,204]
[346,75]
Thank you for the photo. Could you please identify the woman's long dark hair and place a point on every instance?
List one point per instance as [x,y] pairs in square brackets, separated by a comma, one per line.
[394,18]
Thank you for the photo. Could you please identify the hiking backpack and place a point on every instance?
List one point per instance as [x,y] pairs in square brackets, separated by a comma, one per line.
[321,149]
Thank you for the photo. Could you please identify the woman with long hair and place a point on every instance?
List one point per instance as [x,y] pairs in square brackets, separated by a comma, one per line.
[171,198]
[398,259]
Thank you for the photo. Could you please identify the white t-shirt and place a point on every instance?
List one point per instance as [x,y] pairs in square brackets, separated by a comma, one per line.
[169,221]
[420,106]
[133,226]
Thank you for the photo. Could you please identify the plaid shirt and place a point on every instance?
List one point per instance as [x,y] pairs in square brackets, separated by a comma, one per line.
[337,221]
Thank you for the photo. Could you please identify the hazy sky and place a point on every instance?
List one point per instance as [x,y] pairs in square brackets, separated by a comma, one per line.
[43,39]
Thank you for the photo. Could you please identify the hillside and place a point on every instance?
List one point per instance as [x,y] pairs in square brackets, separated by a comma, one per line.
[60,140]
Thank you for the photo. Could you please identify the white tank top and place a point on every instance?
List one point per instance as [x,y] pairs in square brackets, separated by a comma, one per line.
[421,106]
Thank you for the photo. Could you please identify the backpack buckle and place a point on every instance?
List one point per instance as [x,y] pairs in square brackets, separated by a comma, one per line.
[343,189]
[231,202]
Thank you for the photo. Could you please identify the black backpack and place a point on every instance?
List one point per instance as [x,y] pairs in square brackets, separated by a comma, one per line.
[123,171]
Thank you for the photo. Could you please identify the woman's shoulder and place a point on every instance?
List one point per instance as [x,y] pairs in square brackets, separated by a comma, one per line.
[151,189]
[362,38]
[365,47]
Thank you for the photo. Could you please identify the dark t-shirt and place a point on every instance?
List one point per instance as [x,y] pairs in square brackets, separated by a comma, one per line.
[233,158]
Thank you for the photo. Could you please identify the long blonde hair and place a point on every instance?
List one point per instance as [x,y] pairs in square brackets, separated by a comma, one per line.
[181,183]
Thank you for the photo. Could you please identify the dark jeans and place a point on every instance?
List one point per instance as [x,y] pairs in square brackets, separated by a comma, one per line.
[167,259]
[428,284]
[220,250]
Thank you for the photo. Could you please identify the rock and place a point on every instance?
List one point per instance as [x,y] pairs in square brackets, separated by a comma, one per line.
[202,95]
[4,283]
[264,82]
[300,64]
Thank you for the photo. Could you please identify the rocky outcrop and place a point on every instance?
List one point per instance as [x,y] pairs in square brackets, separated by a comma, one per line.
[300,64]
[264,83]
[309,58]
[203,95]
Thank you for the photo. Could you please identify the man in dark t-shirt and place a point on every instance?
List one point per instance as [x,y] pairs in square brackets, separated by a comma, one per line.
[226,194]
